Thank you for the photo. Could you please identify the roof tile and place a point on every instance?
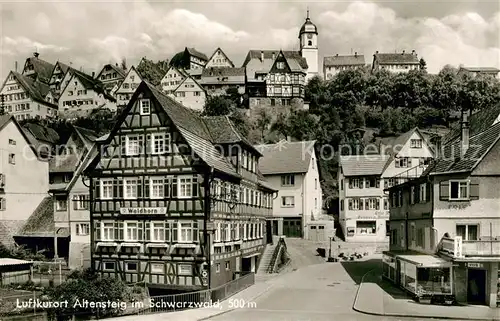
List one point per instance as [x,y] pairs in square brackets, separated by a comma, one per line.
[348,60]
[363,165]
[285,157]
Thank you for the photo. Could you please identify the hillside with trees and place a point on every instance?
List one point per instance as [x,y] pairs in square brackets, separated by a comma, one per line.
[386,103]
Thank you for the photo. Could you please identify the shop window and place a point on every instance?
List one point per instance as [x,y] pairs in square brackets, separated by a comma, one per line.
[366,227]
[468,232]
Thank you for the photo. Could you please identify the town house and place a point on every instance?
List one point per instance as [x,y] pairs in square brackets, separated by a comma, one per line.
[364,208]
[291,168]
[332,65]
[176,200]
[445,228]
[127,88]
[111,77]
[396,62]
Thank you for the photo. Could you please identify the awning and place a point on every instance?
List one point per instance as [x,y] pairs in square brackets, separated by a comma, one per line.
[425,261]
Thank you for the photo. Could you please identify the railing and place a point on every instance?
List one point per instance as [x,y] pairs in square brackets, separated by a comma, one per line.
[408,175]
[280,246]
[199,299]
[481,247]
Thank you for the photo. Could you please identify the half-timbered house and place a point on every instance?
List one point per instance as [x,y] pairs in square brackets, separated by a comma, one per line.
[176,199]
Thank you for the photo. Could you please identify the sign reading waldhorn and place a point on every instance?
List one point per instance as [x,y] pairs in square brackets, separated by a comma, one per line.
[143,210]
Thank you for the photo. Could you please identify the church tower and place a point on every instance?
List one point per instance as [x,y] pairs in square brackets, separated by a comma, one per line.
[308,37]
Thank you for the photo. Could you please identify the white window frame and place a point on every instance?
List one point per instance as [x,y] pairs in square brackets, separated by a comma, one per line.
[104,184]
[218,232]
[228,232]
[107,232]
[466,238]
[288,180]
[145,110]
[127,269]
[133,183]
[82,201]
[61,205]
[128,140]
[128,235]
[158,271]
[416,143]
[189,180]
[82,229]
[237,232]
[108,269]
[286,204]
[156,229]
[460,196]
[190,229]
[165,137]
[181,266]
[159,184]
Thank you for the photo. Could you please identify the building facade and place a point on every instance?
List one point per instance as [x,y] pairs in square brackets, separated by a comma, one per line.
[483,71]
[25,98]
[445,224]
[20,163]
[332,65]
[364,207]
[219,60]
[308,40]
[217,80]
[396,62]
[127,88]
[111,76]
[81,92]
[38,69]
[172,79]
[190,94]
[166,207]
[291,168]
[58,73]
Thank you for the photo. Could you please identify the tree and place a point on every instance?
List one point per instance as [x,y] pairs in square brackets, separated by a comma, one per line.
[124,64]
[87,285]
[263,121]
[379,89]
[423,64]
[152,71]
[218,106]
[478,92]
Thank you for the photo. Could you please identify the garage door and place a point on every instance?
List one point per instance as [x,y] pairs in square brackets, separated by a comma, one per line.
[292,227]
[317,233]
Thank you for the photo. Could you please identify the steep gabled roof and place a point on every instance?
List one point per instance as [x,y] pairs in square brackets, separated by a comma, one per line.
[363,165]
[479,145]
[478,122]
[36,90]
[196,53]
[255,64]
[128,73]
[223,72]
[41,222]
[481,69]
[347,60]
[285,157]
[90,83]
[396,58]
[189,124]
[223,132]
[43,69]
[222,51]
[43,133]
[191,78]
[120,71]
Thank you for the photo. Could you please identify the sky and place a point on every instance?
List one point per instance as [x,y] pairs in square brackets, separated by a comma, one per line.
[88,33]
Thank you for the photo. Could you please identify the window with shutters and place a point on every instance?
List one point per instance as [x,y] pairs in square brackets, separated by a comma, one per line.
[130,188]
[82,229]
[145,106]
[106,189]
[403,162]
[371,204]
[157,188]
[160,143]
[107,233]
[459,190]
[188,186]
[188,232]
[81,202]
[372,182]
[133,145]
[355,204]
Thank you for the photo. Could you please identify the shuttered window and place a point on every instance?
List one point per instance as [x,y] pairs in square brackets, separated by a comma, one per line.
[459,190]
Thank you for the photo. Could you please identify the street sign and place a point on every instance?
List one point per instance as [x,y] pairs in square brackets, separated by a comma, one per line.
[475,265]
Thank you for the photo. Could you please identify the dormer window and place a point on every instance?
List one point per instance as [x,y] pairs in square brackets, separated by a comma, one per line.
[145,106]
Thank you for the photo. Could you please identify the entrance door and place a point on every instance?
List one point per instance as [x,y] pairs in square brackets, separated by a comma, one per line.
[269,232]
[476,286]
[275,227]
[246,265]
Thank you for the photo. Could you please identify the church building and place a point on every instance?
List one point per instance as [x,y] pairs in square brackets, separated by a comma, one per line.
[278,77]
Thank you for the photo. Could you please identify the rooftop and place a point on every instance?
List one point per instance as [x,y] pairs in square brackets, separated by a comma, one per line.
[396,58]
[346,60]
[285,157]
[363,165]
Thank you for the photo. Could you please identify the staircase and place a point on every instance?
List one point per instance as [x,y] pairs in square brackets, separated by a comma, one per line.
[266,259]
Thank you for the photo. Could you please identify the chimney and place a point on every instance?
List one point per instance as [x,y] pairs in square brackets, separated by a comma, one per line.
[403,52]
[465,133]
[36,54]
[116,64]
[413,52]
[93,74]
[274,55]
[15,66]
[336,55]
[288,139]
[262,56]
[355,54]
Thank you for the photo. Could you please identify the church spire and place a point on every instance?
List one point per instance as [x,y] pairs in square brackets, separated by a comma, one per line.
[307,18]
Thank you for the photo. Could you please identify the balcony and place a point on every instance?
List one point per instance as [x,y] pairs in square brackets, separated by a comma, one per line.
[408,175]
[460,249]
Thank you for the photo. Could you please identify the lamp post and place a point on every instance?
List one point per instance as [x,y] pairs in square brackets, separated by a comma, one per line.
[330,249]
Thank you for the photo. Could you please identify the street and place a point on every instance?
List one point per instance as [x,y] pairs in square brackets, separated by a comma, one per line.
[324,291]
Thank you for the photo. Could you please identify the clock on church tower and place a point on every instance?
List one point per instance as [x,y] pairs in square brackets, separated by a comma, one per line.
[308,37]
